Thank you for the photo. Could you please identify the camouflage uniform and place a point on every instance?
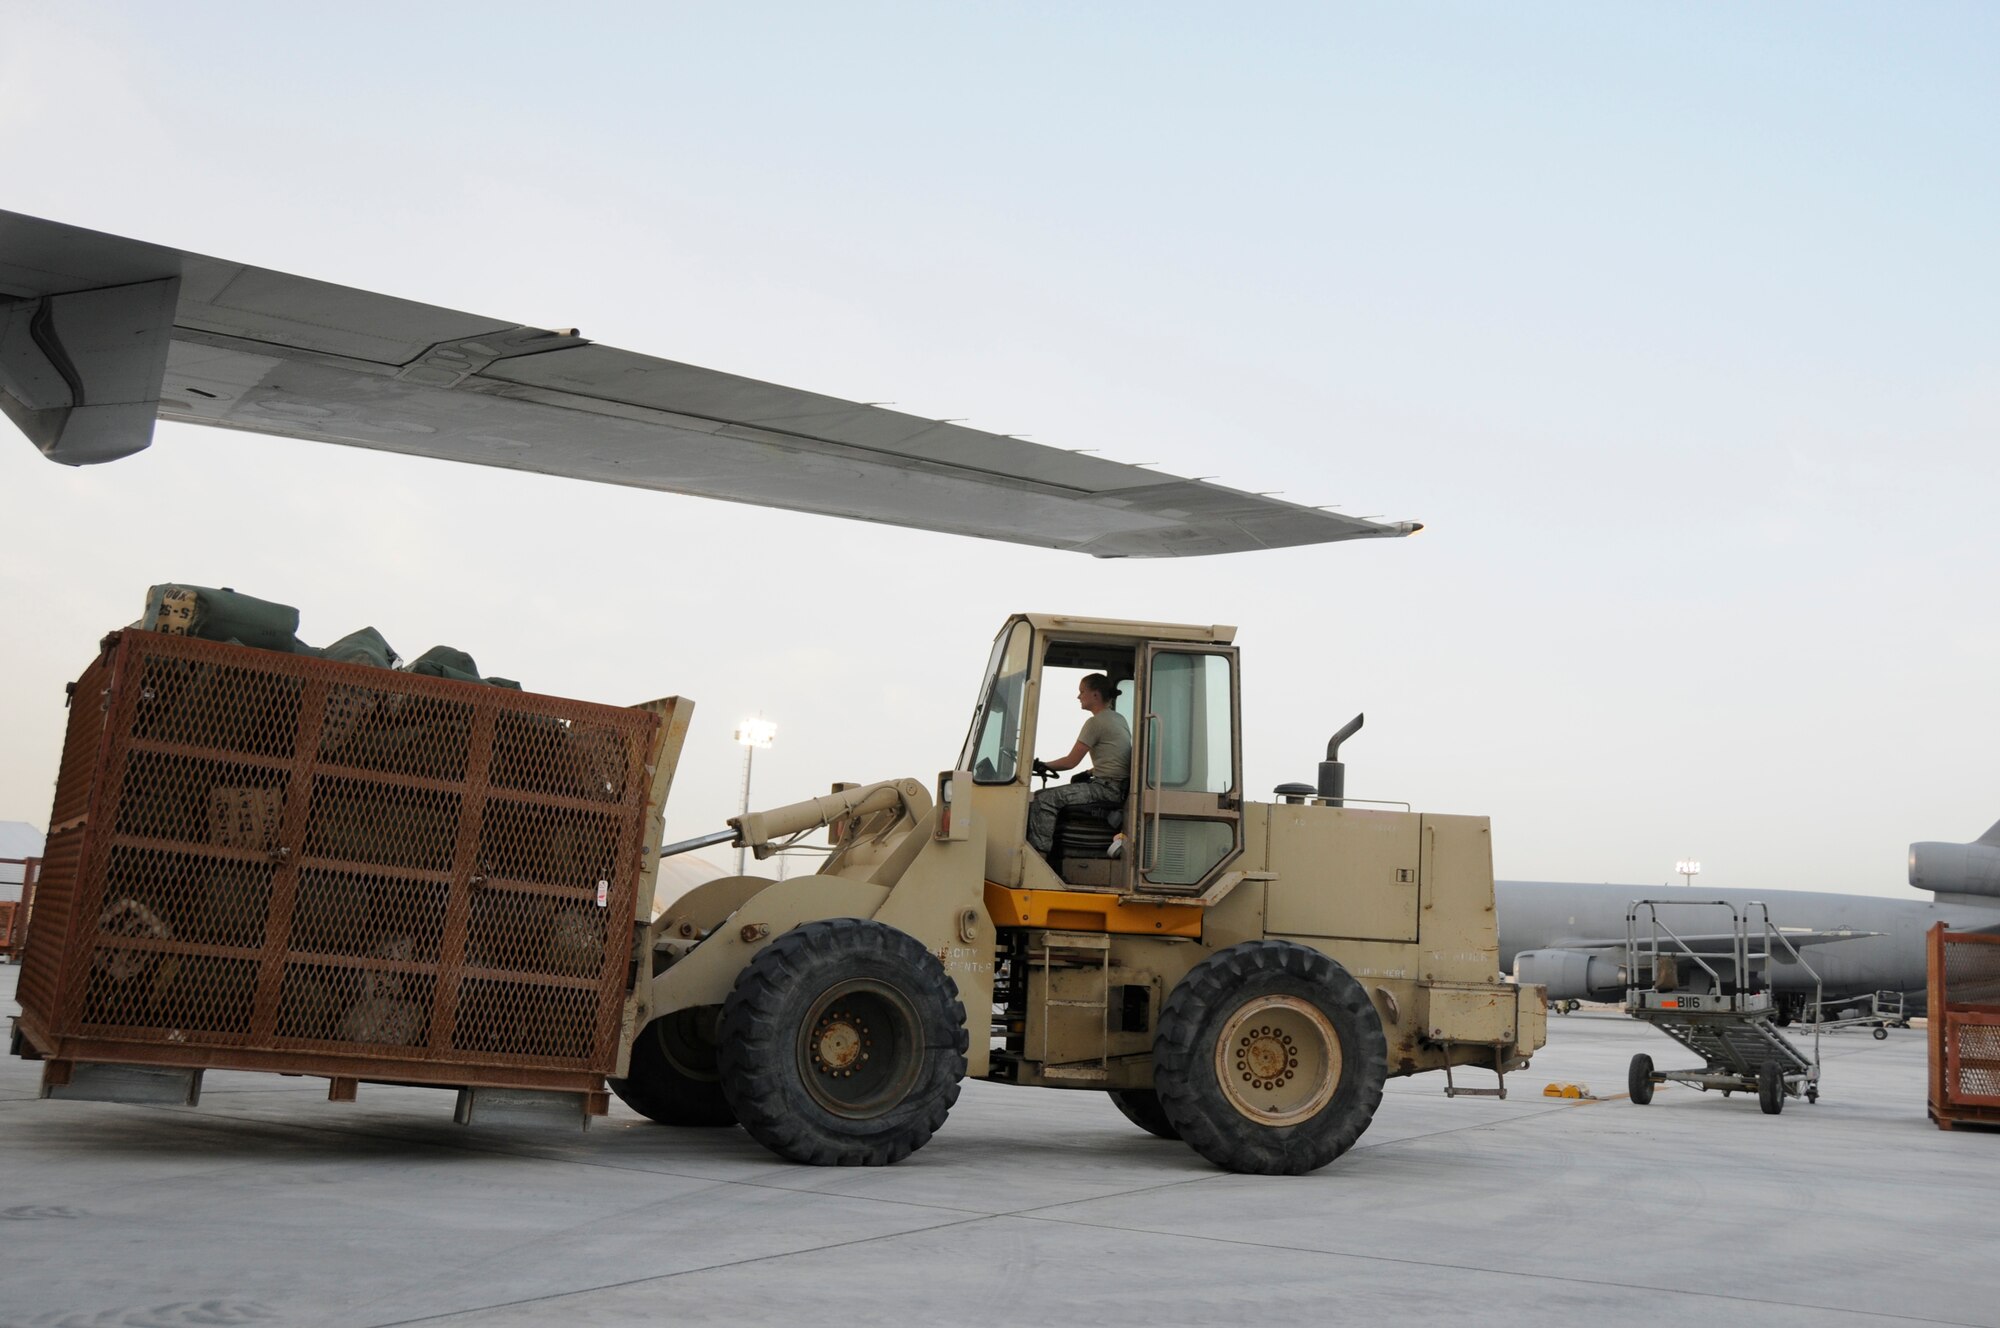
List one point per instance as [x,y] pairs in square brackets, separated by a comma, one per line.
[1042,811]
[1109,740]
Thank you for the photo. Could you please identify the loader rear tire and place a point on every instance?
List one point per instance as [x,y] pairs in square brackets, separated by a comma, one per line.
[673,1078]
[843,1044]
[1270,1059]
[1141,1106]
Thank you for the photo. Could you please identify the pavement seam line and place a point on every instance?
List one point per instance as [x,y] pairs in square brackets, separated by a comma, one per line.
[1495,1272]
[665,1277]
[475,1147]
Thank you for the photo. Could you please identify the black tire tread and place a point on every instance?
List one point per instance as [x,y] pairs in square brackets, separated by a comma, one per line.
[656,1090]
[1771,1088]
[1142,1107]
[1230,1141]
[755,1047]
[1639,1080]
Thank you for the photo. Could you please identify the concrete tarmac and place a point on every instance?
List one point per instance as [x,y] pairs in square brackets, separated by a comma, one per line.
[267,1205]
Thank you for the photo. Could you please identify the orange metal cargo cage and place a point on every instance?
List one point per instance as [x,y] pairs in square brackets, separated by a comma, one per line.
[1964,1021]
[260,861]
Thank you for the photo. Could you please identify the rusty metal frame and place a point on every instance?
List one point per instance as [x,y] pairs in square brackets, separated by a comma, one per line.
[505,996]
[14,913]
[1963,1029]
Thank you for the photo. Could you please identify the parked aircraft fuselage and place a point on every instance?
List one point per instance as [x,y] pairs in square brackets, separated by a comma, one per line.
[1555,915]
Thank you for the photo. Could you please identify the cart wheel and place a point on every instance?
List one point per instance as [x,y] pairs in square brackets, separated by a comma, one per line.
[1639,1080]
[1881,1033]
[1812,1093]
[1771,1088]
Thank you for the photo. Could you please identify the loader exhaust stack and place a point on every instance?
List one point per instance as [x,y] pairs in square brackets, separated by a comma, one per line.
[1333,771]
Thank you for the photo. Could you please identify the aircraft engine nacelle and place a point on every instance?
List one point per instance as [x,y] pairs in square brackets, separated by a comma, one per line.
[1572,975]
[1966,869]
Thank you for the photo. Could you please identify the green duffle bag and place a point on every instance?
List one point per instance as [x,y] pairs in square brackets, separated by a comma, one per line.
[451,662]
[221,615]
[366,646]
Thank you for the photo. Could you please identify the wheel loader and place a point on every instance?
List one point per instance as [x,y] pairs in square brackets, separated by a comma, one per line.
[1238,974]
[261,860]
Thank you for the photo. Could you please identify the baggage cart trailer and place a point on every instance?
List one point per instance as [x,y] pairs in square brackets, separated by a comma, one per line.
[1712,994]
[1882,1011]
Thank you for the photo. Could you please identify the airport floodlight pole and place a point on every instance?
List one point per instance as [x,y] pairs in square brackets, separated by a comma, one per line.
[1687,867]
[752,733]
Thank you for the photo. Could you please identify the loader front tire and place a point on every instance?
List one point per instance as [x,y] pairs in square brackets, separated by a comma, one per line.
[673,1077]
[1270,1059]
[1141,1106]
[843,1044]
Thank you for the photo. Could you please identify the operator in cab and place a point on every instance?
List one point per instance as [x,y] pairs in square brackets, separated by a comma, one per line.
[1107,740]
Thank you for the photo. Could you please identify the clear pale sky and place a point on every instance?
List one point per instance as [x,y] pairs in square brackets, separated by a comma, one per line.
[1675,324]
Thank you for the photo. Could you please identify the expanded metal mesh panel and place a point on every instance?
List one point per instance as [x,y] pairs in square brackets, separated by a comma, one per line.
[1971,972]
[561,757]
[1964,1016]
[392,732]
[42,947]
[89,702]
[42,957]
[1975,1063]
[359,820]
[316,862]
[183,703]
[370,916]
[384,1005]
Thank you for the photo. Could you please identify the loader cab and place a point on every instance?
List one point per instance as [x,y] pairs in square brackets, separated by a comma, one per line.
[1178,688]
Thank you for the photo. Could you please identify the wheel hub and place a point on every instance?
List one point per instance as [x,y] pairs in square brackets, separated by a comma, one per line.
[840,1042]
[1278,1060]
[860,1048]
[1264,1057]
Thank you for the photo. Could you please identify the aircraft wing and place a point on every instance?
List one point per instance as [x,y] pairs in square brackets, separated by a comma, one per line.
[100,335]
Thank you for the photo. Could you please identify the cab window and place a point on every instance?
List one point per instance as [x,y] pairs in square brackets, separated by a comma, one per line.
[993,747]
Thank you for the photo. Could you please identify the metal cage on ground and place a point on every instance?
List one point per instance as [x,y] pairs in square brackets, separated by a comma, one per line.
[261,861]
[1964,1028]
